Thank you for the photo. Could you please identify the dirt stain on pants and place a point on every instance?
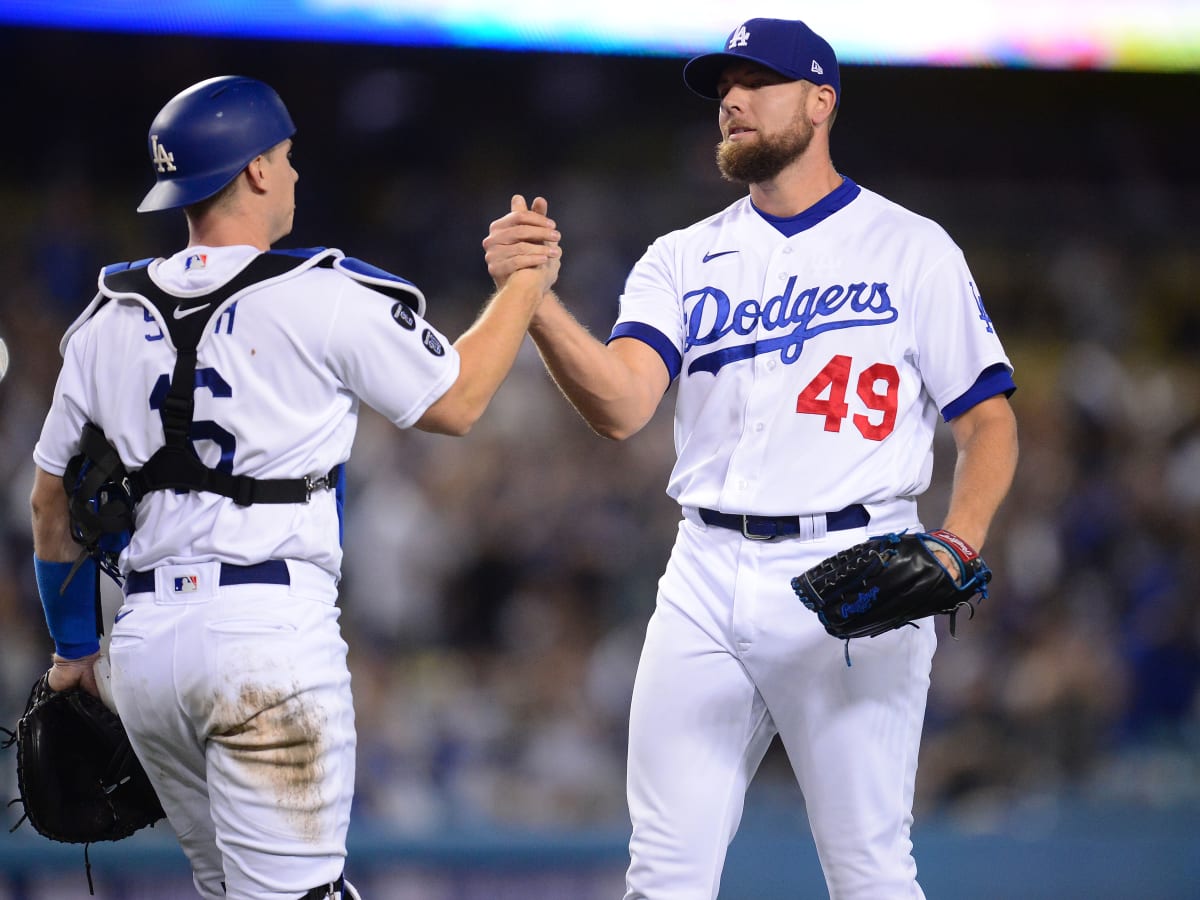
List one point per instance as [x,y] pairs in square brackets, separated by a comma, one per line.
[277,740]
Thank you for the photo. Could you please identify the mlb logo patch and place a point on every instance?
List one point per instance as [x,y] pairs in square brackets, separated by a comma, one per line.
[196,261]
[187,584]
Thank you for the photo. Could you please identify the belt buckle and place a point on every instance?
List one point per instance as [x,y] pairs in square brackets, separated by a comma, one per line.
[312,485]
[754,537]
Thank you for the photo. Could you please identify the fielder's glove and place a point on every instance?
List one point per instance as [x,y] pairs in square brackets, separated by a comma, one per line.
[892,580]
[79,779]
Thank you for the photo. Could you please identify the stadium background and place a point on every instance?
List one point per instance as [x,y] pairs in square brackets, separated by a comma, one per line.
[496,587]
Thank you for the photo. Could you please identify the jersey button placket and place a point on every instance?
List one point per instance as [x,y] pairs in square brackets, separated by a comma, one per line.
[760,404]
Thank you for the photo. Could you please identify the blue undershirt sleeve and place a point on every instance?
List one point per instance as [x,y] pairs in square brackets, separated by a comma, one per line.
[71,609]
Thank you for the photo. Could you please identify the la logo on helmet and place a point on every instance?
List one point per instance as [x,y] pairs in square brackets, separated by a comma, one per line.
[163,161]
[740,38]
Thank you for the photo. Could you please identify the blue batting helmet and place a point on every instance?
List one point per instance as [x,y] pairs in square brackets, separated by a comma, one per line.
[207,134]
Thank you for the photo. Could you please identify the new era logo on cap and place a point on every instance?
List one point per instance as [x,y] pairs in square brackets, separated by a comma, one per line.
[786,46]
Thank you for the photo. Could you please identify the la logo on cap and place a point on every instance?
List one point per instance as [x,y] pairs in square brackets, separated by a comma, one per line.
[740,38]
[163,161]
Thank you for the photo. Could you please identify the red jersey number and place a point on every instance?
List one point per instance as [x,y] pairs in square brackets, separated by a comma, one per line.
[878,389]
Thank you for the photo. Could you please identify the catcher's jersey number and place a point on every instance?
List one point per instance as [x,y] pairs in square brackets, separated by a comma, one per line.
[204,429]
[207,378]
[878,387]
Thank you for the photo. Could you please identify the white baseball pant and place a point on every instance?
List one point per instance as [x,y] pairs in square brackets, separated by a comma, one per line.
[237,701]
[733,657]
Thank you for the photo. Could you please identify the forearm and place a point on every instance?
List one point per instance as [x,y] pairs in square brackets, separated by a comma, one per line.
[615,389]
[487,351]
[67,589]
[987,461]
[50,520]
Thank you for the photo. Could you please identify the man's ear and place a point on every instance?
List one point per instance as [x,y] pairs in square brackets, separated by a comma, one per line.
[256,173]
[822,103]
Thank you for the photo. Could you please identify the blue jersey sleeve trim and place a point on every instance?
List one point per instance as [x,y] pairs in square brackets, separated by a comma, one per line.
[993,380]
[655,339]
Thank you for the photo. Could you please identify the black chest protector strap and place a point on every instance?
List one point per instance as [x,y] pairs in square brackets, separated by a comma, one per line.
[175,464]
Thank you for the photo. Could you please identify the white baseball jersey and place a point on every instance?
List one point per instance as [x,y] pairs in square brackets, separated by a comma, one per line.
[811,367]
[278,381]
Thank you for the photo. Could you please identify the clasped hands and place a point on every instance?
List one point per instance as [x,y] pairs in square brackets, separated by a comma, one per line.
[524,239]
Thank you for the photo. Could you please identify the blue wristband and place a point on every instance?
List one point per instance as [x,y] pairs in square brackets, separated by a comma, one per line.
[70,612]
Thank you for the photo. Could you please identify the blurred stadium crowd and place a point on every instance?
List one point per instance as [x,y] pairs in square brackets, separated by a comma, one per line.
[496,587]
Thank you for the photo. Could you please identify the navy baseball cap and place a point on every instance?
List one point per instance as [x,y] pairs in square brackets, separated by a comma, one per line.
[786,46]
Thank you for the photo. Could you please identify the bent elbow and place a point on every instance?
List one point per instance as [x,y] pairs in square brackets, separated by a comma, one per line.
[461,427]
[615,430]
[613,433]
[455,420]
[464,416]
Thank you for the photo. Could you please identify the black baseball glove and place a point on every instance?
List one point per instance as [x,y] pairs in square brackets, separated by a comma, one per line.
[79,779]
[892,580]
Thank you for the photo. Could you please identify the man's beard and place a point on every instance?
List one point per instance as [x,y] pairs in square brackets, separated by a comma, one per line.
[763,159]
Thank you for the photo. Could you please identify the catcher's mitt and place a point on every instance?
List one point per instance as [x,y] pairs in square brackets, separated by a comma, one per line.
[889,581]
[79,779]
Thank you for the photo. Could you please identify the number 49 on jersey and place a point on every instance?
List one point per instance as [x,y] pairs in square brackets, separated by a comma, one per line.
[877,389]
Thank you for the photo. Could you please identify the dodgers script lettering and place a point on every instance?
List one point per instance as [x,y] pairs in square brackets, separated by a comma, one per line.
[711,317]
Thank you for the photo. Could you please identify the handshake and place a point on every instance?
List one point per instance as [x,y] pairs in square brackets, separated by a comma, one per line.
[524,240]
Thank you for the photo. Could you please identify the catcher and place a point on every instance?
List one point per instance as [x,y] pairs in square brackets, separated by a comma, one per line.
[213,396]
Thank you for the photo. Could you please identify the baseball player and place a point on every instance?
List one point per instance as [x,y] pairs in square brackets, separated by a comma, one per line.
[227,378]
[816,331]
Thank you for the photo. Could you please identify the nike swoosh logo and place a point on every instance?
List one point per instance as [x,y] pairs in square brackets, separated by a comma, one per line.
[708,256]
[120,615]
[180,313]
